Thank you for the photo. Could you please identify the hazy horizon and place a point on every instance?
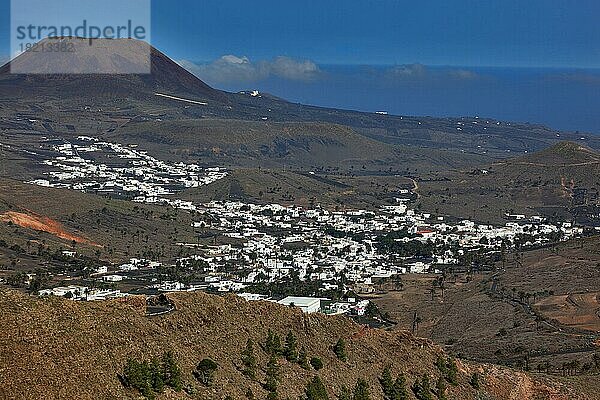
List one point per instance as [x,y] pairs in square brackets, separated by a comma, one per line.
[560,98]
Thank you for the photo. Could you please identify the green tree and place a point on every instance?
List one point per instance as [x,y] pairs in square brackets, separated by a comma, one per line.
[475,381]
[400,391]
[340,350]
[440,389]
[452,376]
[387,383]
[315,390]
[448,368]
[361,390]
[393,389]
[39,281]
[272,375]
[440,363]
[136,375]
[290,352]
[249,360]
[422,389]
[273,343]
[316,363]
[205,371]
[272,396]
[171,372]
[157,373]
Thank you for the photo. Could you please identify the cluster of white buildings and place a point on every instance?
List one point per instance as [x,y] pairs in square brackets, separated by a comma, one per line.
[88,164]
[337,249]
[270,242]
[82,293]
[310,305]
[317,244]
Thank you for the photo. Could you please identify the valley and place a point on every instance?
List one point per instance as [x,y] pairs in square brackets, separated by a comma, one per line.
[143,214]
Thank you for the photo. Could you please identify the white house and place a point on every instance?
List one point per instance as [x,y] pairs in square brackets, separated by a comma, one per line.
[253,296]
[76,292]
[306,304]
[101,270]
[113,278]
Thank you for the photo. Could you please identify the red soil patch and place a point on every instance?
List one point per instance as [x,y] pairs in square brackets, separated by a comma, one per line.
[42,224]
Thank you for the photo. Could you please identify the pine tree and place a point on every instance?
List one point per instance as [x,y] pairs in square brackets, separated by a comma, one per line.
[448,369]
[269,342]
[361,390]
[303,359]
[273,344]
[249,360]
[452,376]
[272,396]
[340,350]
[290,352]
[205,371]
[272,375]
[277,349]
[422,389]
[137,375]
[316,363]
[440,363]
[393,390]
[400,391]
[171,372]
[315,390]
[131,373]
[475,381]
[158,380]
[387,383]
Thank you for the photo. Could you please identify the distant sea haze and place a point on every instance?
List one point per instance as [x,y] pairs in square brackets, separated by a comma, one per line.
[563,99]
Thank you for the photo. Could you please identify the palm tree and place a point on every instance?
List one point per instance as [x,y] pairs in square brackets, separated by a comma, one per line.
[416,321]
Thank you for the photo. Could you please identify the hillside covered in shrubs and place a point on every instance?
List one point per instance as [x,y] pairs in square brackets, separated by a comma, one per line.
[214,347]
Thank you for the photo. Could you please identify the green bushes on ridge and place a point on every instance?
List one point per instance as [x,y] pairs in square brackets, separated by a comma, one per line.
[151,377]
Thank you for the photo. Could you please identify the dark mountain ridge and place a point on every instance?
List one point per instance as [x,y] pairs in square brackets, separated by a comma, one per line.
[115,56]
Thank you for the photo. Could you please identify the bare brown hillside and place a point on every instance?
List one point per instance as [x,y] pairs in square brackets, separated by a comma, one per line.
[54,348]
[543,183]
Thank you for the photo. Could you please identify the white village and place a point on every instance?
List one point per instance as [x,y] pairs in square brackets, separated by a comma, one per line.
[349,251]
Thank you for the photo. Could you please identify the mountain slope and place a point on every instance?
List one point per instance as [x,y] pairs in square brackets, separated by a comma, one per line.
[133,96]
[563,154]
[280,144]
[105,55]
[110,223]
[556,180]
[54,348]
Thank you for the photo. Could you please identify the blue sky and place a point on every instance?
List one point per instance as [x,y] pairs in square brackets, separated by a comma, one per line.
[540,33]
[436,32]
